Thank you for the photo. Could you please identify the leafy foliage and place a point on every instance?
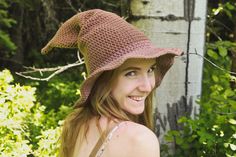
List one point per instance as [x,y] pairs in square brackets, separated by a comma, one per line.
[16,102]
[213,131]
[59,91]
[24,126]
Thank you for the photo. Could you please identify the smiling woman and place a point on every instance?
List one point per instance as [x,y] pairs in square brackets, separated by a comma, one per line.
[113,117]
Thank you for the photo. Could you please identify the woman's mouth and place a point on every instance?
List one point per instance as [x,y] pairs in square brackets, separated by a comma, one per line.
[137,98]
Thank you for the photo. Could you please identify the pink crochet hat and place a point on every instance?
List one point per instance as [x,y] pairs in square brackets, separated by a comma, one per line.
[106,41]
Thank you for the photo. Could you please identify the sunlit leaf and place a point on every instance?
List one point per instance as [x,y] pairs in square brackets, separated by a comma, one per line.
[232,121]
[222,51]
[212,54]
[232,146]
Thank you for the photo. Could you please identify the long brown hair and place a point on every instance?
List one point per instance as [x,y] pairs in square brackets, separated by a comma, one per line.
[99,103]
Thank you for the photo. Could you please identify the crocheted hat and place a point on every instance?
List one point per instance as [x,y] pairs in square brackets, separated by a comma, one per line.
[106,41]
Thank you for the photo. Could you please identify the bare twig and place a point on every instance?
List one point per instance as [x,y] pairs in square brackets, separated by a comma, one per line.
[57,70]
[72,7]
[222,24]
[216,66]
[33,69]
[224,113]
[214,33]
[109,4]
[78,56]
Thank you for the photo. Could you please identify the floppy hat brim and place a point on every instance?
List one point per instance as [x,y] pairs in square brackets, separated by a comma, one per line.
[165,57]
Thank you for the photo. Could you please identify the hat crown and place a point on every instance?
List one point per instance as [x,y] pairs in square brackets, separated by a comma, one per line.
[105,37]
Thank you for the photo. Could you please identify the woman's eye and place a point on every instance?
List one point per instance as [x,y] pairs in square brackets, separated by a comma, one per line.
[131,73]
[152,69]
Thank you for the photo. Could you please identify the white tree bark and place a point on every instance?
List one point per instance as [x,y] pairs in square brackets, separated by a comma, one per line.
[181,24]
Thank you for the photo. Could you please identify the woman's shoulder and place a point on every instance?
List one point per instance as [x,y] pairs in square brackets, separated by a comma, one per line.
[140,140]
[135,131]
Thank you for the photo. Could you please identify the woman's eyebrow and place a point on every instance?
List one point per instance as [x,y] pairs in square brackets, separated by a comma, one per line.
[131,68]
[136,68]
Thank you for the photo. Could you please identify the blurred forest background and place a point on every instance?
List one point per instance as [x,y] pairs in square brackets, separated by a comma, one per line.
[31,112]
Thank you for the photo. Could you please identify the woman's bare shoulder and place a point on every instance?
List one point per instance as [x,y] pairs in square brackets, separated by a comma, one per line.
[142,141]
[136,131]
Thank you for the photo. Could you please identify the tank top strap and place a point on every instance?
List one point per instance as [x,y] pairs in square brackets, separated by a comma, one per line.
[101,144]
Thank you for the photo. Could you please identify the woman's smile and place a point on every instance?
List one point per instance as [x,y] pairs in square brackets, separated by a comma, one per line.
[137,98]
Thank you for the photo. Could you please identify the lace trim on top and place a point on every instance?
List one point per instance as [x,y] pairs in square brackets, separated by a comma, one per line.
[107,140]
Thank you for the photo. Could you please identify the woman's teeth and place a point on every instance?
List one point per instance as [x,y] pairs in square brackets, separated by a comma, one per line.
[136,98]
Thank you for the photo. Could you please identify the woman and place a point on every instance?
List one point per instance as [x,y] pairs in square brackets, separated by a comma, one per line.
[113,117]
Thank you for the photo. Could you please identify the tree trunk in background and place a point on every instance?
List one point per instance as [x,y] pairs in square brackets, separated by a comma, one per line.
[181,24]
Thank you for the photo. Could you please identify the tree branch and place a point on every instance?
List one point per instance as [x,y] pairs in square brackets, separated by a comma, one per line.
[57,70]
[72,7]
[216,66]
[60,69]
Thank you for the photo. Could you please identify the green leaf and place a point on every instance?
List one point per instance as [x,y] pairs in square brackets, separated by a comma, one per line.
[3,13]
[232,146]
[179,140]
[232,103]
[232,121]
[3,4]
[222,51]
[234,136]
[229,92]
[182,120]
[212,54]
[230,6]
[169,138]
[228,13]
[6,41]
[215,78]
[7,22]
[226,145]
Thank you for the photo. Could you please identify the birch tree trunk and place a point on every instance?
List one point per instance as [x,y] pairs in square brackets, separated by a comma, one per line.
[181,24]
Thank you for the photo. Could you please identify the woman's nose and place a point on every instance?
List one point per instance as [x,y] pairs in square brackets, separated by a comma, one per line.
[146,84]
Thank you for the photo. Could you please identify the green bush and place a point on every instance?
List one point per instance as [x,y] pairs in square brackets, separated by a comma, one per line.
[25,128]
[213,131]
[59,91]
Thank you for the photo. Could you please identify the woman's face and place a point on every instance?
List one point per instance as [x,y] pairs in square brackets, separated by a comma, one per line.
[134,82]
